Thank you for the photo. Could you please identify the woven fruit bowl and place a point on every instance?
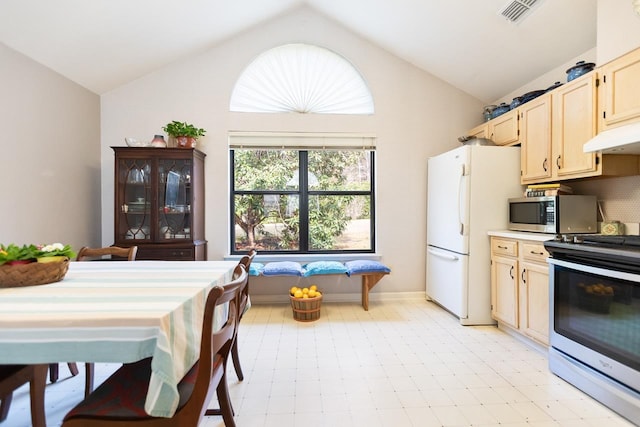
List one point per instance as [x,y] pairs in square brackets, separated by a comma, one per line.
[33,273]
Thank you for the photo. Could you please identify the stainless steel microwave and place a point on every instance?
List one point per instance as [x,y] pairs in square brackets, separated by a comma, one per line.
[562,214]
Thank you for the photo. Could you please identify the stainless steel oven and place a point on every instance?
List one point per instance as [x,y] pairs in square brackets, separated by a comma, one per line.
[595,318]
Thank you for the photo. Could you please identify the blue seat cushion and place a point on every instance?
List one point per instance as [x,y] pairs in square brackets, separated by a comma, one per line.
[324,267]
[282,268]
[363,266]
[255,269]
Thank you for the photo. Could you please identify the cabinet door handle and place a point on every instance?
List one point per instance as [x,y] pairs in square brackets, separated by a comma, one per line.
[544,164]
[536,253]
[502,247]
[522,276]
[511,272]
[558,163]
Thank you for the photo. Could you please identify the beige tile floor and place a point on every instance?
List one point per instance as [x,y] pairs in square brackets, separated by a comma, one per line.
[400,364]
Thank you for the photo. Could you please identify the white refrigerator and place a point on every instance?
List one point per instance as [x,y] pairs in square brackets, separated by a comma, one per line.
[468,188]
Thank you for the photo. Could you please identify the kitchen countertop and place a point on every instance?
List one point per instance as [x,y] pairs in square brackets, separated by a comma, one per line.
[522,235]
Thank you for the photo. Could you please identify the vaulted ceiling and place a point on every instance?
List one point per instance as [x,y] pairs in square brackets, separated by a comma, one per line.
[102,44]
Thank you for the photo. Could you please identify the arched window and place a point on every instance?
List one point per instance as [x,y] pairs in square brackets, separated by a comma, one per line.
[301,78]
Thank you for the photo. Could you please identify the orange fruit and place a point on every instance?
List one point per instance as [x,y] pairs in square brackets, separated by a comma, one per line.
[305,290]
[313,288]
[298,294]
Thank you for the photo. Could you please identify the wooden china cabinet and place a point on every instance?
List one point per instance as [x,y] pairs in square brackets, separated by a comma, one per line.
[159,202]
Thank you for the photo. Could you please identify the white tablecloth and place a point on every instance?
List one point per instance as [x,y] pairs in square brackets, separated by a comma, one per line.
[115,312]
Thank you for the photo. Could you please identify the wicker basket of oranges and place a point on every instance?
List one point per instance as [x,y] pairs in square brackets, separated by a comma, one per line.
[305,303]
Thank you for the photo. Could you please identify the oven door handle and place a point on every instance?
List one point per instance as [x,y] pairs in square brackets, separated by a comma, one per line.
[607,272]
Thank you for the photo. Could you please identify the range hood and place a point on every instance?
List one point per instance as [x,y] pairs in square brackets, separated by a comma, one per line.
[621,140]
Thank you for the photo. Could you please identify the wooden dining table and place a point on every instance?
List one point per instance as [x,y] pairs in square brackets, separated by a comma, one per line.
[115,312]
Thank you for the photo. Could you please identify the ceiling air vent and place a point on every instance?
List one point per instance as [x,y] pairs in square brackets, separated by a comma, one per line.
[516,10]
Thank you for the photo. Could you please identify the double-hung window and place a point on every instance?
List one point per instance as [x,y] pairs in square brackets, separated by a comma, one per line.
[302,194]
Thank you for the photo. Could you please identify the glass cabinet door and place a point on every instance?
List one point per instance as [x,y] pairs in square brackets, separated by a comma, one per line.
[134,190]
[174,199]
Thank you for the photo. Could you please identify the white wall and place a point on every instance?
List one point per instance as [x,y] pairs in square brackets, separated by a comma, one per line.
[558,74]
[50,163]
[416,116]
[618,29]
[618,33]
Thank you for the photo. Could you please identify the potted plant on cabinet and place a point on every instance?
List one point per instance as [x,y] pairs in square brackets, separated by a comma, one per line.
[184,133]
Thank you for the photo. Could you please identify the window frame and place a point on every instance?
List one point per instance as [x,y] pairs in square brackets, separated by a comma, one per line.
[303,192]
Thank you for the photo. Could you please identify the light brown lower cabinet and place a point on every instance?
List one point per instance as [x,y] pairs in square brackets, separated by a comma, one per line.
[520,287]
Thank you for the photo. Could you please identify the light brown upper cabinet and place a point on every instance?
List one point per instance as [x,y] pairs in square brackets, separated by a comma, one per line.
[480,131]
[555,126]
[619,91]
[574,111]
[554,129]
[503,130]
[535,139]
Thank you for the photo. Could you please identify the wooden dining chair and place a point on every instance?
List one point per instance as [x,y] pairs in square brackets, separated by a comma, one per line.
[119,401]
[93,254]
[14,376]
[244,299]
[238,271]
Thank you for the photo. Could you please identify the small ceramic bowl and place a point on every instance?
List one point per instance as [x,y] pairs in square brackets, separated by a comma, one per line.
[134,142]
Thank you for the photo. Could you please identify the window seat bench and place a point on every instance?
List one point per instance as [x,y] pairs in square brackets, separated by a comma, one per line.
[370,271]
